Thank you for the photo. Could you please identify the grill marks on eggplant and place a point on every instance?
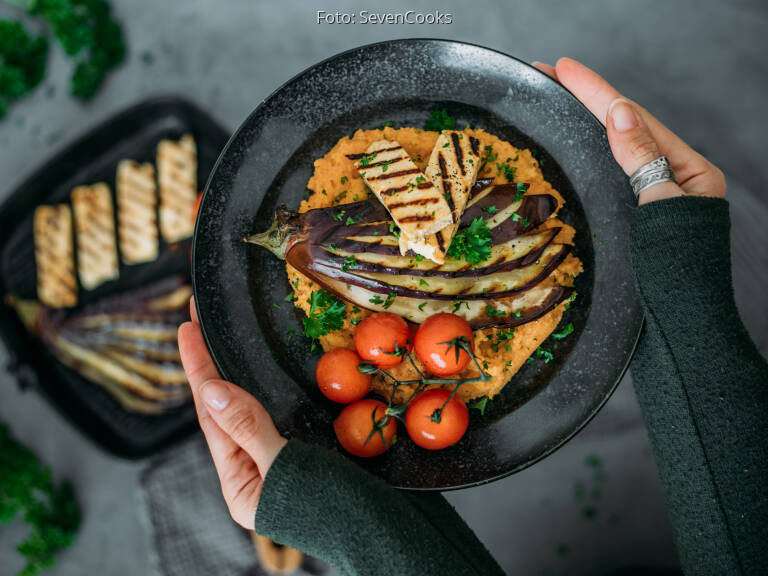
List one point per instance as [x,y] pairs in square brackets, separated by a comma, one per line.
[514,253]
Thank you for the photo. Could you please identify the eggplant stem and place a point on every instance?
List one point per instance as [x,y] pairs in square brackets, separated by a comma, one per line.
[281,235]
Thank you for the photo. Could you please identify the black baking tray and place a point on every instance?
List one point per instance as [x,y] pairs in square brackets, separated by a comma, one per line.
[133,133]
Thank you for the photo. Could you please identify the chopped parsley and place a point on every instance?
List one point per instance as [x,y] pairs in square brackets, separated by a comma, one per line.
[326,313]
[290,298]
[488,157]
[457,306]
[518,313]
[366,160]
[570,300]
[421,306]
[390,300]
[355,320]
[385,165]
[420,179]
[504,335]
[479,404]
[490,209]
[387,124]
[394,230]
[423,282]
[439,120]
[340,196]
[520,191]
[507,169]
[567,329]
[491,311]
[339,215]
[515,217]
[349,262]
[344,179]
[352,221]
[376,300]
[526,222]
[472,243]
[545,355]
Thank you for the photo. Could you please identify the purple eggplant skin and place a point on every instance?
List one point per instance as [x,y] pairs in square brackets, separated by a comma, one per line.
[534,210]
[302,259]
[500,196]
[469,270]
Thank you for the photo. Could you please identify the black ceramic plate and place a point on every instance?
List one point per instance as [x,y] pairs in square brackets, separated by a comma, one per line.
[133,133]
[240,289]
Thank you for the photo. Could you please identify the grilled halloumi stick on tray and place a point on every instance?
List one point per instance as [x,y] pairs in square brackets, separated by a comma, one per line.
[177,180]
[137,212]
[414,202]
[55,256]
[95,228]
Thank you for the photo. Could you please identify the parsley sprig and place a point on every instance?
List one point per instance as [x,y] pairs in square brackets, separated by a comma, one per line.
[326,313]
[439,120]
[472,243]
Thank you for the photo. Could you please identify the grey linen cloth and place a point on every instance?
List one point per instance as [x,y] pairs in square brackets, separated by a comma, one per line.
[190,530]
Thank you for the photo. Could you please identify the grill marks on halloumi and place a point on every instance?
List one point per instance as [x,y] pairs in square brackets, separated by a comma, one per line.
[55,256]
[177,179]
[453,168]
[415,204]
[95,227]
[137,212]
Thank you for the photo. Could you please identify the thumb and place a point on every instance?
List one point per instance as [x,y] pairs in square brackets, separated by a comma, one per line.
[243,419]
[634,146]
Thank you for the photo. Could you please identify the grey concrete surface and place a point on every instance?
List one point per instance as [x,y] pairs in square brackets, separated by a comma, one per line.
[699,66]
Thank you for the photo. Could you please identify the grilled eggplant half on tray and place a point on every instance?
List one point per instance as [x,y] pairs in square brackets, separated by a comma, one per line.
[353,250]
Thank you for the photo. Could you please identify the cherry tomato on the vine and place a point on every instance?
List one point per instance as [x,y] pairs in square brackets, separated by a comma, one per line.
[436,345]
[434,424]
[379,335]
[338,377]
[355,428]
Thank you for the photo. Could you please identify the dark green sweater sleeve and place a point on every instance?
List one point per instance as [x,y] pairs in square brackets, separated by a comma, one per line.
[323,504]
[703,387]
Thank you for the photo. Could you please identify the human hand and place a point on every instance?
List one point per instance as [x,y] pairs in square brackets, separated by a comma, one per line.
[636,137]
[241,436]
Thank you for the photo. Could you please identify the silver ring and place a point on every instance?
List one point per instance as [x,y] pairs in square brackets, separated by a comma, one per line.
[655,172]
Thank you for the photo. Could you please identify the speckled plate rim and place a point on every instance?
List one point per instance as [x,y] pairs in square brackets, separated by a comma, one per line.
[547,79]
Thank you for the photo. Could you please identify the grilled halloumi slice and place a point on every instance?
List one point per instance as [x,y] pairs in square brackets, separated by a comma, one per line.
[177,180]
[137,212]
[95,232]
[415,204]
[452,168]
[55,256]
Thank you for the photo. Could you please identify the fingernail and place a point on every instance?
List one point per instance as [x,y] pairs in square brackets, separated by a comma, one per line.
[623,115]
[215,394]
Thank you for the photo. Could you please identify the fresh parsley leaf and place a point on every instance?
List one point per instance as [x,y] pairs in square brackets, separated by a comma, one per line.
[339,215]
[376,300]
[355,320]
[545,355]
[352,221]
[472,243]
[507,169]
[491,311]
[490,209]
[390,300]
[349,262]
[421,306]
[439,120]
[340,196]
[366,160]
[567,329]
[457,306]
[344,179]
[488,157]
[520,189]
[326,313]
[479,404]
[394,230]
[423,282]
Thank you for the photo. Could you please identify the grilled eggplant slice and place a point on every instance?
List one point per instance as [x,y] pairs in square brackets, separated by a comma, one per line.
[509,311]
[494,285]
[515,253]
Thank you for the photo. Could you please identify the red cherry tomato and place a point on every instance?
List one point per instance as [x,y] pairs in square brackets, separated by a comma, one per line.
[431,348]
[433,424]
[197,206]
[338,377]
[354,428]
[377,335]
